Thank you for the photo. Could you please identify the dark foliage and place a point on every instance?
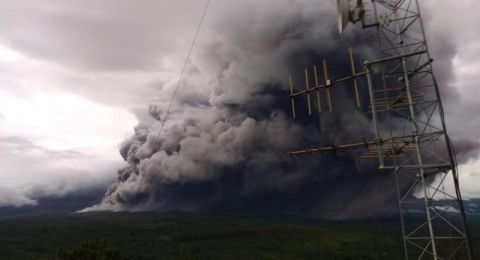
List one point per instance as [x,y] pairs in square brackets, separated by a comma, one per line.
[184,236]
[96,249]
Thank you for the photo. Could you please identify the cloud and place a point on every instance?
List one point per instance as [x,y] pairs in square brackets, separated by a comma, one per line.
[216,151]
[453,43]
[224,144]
[9,197]
[35,172]
[230,121]
[54,145]
[98,36]
[18,146]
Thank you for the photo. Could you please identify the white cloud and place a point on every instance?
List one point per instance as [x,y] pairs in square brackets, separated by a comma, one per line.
[455,21]
[9,56]
[56,143]
[469,174]
[65,122]
[9,197]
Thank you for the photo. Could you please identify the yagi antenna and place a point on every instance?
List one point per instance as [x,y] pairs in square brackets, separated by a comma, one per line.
[347,12]
[324,86]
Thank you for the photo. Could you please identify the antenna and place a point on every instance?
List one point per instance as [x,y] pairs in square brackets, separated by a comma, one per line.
[326,86]
[410,140]
[348,13]
[343,13]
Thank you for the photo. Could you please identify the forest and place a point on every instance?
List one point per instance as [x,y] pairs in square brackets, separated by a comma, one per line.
[195,236]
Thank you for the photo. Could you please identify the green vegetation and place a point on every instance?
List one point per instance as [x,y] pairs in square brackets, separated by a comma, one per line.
[182,236]
[93,249]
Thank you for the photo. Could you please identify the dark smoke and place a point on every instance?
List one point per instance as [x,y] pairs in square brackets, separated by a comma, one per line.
[223,146]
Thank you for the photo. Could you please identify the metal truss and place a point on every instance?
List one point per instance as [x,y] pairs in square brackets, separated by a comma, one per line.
[411,139]
[406,101]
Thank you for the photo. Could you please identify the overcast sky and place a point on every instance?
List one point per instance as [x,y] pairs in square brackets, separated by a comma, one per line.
[77,76]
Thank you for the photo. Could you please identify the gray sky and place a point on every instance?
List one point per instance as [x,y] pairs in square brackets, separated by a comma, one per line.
[77,76]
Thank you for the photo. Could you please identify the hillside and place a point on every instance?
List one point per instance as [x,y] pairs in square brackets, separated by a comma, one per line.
[188,236]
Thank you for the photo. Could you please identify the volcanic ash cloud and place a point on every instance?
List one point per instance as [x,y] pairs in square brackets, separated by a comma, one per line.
[223,146]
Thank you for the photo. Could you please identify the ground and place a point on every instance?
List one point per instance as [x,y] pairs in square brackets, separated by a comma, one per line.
[193,236]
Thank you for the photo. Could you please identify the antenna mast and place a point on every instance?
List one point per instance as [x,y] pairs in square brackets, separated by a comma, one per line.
[410,135]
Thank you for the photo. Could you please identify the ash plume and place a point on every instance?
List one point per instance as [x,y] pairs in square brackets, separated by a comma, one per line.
[223,147]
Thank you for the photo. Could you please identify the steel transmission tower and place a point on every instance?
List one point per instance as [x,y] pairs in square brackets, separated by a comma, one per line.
[410,137]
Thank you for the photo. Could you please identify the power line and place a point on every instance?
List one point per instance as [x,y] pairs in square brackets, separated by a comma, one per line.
[189,54]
